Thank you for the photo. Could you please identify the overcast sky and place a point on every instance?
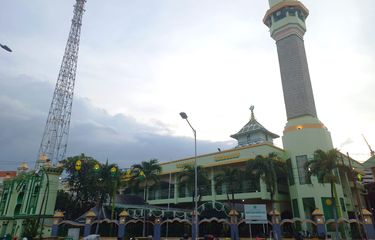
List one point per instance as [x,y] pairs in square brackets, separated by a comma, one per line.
[142,62]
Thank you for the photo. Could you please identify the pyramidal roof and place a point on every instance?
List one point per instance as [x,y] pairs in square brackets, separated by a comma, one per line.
[253,132]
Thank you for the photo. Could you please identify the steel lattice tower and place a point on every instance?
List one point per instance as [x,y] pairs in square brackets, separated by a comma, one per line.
[55,136]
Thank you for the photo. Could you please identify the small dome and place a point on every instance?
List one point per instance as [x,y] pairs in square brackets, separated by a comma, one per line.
[253,133]
[23,167]
[43,157]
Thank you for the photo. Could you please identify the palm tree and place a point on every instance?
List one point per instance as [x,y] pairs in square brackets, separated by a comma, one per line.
[268,169]
[323,166]
[146,175]
[187,176]
[230,177]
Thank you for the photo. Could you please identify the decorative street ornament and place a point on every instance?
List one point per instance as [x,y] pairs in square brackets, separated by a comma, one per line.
[113,171]
[96,167]
[78,165]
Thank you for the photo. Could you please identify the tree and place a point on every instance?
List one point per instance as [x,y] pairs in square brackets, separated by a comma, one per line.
[67,203]
[323,166]
[89,186]
[229,177]
[187,176]
[145,175]
[31,228]
[268,169]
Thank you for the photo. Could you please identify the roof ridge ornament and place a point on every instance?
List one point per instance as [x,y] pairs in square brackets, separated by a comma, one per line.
[252,112]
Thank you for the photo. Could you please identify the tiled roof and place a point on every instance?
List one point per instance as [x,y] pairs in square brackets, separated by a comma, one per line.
[253,126]
[8,173]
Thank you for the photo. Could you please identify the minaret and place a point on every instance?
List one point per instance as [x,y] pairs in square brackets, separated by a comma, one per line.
[286,20]
[303,133]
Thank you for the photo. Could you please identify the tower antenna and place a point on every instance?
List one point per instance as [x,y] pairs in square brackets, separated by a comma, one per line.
[372,153]
[56,131]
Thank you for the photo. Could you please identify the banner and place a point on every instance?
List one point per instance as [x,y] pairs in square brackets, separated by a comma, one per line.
[255,213]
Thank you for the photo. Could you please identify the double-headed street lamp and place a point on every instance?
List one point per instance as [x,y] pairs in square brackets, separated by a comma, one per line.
[5,47]
[195,213]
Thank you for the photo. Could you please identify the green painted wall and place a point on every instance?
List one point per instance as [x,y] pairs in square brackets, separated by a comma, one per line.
[22,198]
[303,136]
[213,163]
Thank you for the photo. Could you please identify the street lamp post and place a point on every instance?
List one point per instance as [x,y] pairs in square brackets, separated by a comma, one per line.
[195,215]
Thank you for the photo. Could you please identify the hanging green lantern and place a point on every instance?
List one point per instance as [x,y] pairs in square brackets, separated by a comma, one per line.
[113,171]
[96,168]
[359,177]
[141,175]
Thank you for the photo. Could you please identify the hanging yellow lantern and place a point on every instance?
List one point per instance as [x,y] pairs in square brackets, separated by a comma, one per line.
[78,165]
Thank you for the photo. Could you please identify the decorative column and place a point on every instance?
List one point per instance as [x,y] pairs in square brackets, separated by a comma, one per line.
[233,225]
[367,224]
[89,218]
[276,223]
[194,231]
[121,226]
[156,229]
[57,217]
[319,219]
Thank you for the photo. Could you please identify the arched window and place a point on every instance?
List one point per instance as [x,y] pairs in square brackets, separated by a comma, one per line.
[17,209]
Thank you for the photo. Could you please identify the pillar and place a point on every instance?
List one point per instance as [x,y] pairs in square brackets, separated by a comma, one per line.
[276,224]
[233,225]
[90,216]
[319,220]
[367,224]
[156,229]
[194,227]
[121,225]
[57,217]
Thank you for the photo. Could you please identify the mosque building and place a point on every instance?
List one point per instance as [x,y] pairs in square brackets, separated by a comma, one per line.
[303,134]
[296,195]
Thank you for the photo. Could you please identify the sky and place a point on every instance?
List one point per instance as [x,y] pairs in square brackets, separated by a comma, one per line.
[143,62]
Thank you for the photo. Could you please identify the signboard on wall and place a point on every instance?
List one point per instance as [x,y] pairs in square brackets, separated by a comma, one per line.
[255,213]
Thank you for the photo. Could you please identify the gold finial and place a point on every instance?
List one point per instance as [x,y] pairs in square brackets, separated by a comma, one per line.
[43,157]
[274,212]
[90,214]
[124,213]
[23,167]
[252,111]
[317,212]
[58,214]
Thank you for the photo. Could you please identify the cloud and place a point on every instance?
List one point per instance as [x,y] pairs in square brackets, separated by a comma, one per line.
[24,103]
[149,60]
[346,142]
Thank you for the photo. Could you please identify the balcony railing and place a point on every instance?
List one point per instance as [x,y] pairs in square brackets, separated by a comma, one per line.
[204,190]
[244,187]
[160,194]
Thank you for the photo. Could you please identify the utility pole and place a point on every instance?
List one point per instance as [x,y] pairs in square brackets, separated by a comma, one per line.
[372,152]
